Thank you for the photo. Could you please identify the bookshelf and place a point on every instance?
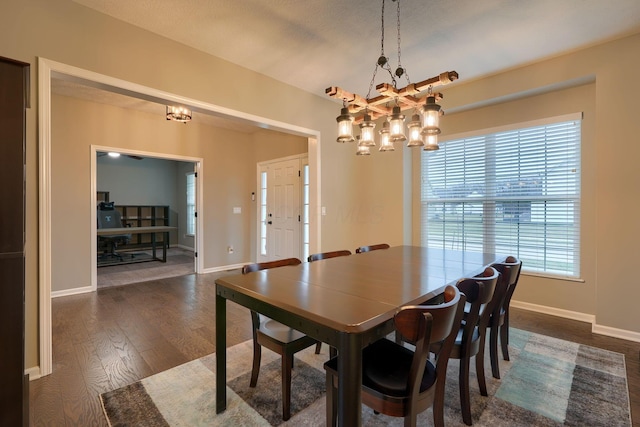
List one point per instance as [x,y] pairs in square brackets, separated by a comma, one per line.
[143,216]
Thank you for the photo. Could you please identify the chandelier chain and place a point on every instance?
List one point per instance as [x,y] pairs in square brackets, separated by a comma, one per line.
[400,71]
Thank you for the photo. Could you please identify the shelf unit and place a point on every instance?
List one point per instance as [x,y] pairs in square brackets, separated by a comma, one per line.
[143,216]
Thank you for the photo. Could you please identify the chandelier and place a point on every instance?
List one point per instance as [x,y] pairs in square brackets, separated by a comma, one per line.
[423,128]
[178,114]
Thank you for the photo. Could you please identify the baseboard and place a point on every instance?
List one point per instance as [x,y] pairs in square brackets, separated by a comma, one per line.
[186,248]
[581,317]
[616,333]
[74,291]
[224,268]
[34,373]
[566,314]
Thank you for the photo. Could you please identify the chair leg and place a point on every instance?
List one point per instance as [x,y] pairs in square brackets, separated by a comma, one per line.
[287,365]
[482,383]
[318,347]
[465,399]
[333,352]
[493,351]
[438,403]
[255,370]
[504,338]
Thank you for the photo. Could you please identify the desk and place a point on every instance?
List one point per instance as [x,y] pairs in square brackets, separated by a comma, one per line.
[153,230]
[347,302]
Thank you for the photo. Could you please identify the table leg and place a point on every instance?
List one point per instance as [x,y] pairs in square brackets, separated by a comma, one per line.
[153,245]
[349,381]
[221,354]
[165,244]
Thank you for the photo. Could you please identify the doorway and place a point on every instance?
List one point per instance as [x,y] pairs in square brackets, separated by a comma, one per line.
[145,192]
[49,70]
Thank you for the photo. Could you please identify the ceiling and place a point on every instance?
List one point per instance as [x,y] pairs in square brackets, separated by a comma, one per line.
[315,44]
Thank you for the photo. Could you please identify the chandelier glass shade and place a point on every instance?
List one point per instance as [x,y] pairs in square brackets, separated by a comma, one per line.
[367,133]
[424,127]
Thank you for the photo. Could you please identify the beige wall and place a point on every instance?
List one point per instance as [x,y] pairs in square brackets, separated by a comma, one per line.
[362,196]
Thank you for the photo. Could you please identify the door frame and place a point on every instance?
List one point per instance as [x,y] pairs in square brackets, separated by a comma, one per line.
[198,168]
[49,69]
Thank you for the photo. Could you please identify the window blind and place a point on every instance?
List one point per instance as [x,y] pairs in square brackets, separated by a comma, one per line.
[513,191]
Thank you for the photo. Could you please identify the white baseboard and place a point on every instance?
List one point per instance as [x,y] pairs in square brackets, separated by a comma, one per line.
[34,373]
[74,291]
[616,333]
[582,317]
[224,268]
[186,248]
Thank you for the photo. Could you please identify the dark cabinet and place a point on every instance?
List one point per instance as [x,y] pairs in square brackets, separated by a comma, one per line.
[14,392]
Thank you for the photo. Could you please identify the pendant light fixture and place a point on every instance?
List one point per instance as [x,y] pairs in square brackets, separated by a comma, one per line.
[423,129]
[178,114]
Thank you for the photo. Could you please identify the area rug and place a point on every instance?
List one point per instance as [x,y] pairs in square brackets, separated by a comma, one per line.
[548,382]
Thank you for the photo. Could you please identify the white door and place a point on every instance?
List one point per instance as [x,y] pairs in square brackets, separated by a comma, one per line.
[280,210]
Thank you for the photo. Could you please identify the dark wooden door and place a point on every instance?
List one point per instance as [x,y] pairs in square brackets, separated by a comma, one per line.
[14,396]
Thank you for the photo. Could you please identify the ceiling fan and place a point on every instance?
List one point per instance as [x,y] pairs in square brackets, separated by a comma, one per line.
[115,154]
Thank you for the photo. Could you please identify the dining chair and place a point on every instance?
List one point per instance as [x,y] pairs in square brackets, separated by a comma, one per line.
[470,339]
[277,337]
[325,255]
[509,271]
[370,248]
[397,381]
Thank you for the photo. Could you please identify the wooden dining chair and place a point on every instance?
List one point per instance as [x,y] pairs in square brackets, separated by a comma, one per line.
[277,337]
[325,255]
[397,381]
[509,271]
[470,340]
[370,248]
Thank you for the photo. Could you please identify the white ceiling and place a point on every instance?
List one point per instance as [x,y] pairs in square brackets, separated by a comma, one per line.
[314,44]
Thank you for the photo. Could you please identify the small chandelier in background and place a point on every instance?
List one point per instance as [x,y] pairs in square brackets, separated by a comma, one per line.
[178,114]
[423,128]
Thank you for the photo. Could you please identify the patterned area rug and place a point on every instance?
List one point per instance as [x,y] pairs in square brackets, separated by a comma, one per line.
[548,382]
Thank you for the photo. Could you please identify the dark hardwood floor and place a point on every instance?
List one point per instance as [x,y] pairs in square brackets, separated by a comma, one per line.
[107,339]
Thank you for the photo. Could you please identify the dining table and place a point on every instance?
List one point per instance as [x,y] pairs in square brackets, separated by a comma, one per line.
[347,302]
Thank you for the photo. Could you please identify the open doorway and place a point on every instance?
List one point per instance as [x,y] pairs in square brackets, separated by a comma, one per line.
[153,200]
[77,207]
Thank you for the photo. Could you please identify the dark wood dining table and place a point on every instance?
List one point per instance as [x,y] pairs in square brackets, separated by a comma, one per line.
[347,302]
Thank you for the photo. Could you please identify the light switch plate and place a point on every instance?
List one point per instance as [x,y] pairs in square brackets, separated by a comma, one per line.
[237,210]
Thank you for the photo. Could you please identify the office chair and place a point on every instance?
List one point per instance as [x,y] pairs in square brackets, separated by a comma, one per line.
[109,217]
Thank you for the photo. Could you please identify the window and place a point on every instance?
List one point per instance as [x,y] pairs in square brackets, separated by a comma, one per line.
[305,211]
[514,192]
[263,213]
[191,203]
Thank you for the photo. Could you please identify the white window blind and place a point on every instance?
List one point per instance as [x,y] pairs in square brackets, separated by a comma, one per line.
[191,203]
[513,192]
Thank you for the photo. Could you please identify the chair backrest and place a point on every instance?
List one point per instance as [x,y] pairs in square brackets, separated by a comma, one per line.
[325,255]
[109,218]
[509,271]
[426,324]
[270,264]
[479,292]
[370,248]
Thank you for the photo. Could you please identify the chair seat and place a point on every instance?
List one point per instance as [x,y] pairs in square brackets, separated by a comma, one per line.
[384,377]
[278,331]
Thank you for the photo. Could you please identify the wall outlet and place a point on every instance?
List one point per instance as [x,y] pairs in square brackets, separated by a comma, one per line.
[230,249]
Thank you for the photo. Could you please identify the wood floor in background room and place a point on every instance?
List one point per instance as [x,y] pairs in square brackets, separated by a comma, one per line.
[112,337]
[179,262]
